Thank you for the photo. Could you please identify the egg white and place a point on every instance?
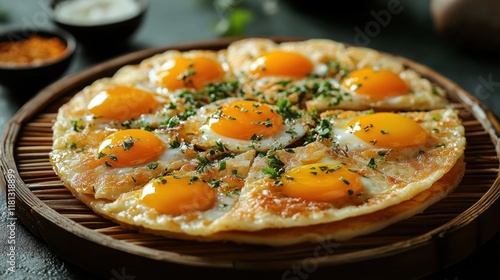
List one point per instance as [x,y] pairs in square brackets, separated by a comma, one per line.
[203,136]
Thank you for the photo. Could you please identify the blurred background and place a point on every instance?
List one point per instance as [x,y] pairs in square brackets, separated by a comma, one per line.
[459,39]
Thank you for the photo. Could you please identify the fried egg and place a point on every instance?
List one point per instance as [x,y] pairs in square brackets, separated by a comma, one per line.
[105,104]
[379,81]
[184,201]
[187,72]
[323,182]
[122,103]
[106,163]
[269,71]
[312,185]
[426,143]
[241,125]
[378,130]
[378,84]
[173,71]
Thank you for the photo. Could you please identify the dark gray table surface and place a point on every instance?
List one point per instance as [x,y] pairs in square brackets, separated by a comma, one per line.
[409,33]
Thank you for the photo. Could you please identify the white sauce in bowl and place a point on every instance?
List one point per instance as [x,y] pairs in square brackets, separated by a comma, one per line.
[95,12]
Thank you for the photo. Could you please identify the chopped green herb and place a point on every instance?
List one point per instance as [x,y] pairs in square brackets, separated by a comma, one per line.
[162,179]
[128,144]
[72,145]
[152,165]
[437,118]
[77,127]
[193,179]
[275,167]
[175,145]
[345,181]
[267,123]
[372,163]
[203,164]
[222,165]
[113,157]
[220,146]
[213,183]
[127,124]
[285,109]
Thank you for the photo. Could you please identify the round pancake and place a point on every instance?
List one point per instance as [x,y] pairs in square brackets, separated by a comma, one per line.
[252,195]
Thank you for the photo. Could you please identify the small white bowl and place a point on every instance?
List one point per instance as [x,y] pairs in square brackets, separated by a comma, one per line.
[104,33]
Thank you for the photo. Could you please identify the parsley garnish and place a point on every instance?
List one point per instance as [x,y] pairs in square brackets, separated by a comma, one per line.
[275,167]
[128,144]
[72,145]
[222,165]
[220,146]
[267,123]
[113,157]
[372,163]
[175,144]
[285,109]
[76,126]
[162,179]
[152,165]
[214,183]
[193,179]
[345,181]
[127,123]
[203,164]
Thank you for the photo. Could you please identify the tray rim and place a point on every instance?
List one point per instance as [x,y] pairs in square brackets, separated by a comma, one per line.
[435,238]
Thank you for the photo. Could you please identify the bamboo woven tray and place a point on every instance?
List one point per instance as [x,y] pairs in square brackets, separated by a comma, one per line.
[444,234]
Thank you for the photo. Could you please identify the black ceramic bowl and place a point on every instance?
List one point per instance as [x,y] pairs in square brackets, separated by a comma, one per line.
[35,76]
[104,34]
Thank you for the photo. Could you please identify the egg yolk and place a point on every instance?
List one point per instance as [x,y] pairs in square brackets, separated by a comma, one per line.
[246,120]
[387,130]
[122,103]
[130,147]
[178,195]
[193,72]
[378,84]
[321,182]
[281,63]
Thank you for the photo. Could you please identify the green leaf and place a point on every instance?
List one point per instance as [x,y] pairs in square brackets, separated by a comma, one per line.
[238,19]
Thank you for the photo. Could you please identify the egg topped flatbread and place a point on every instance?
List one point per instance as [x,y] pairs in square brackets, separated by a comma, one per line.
[261,143]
